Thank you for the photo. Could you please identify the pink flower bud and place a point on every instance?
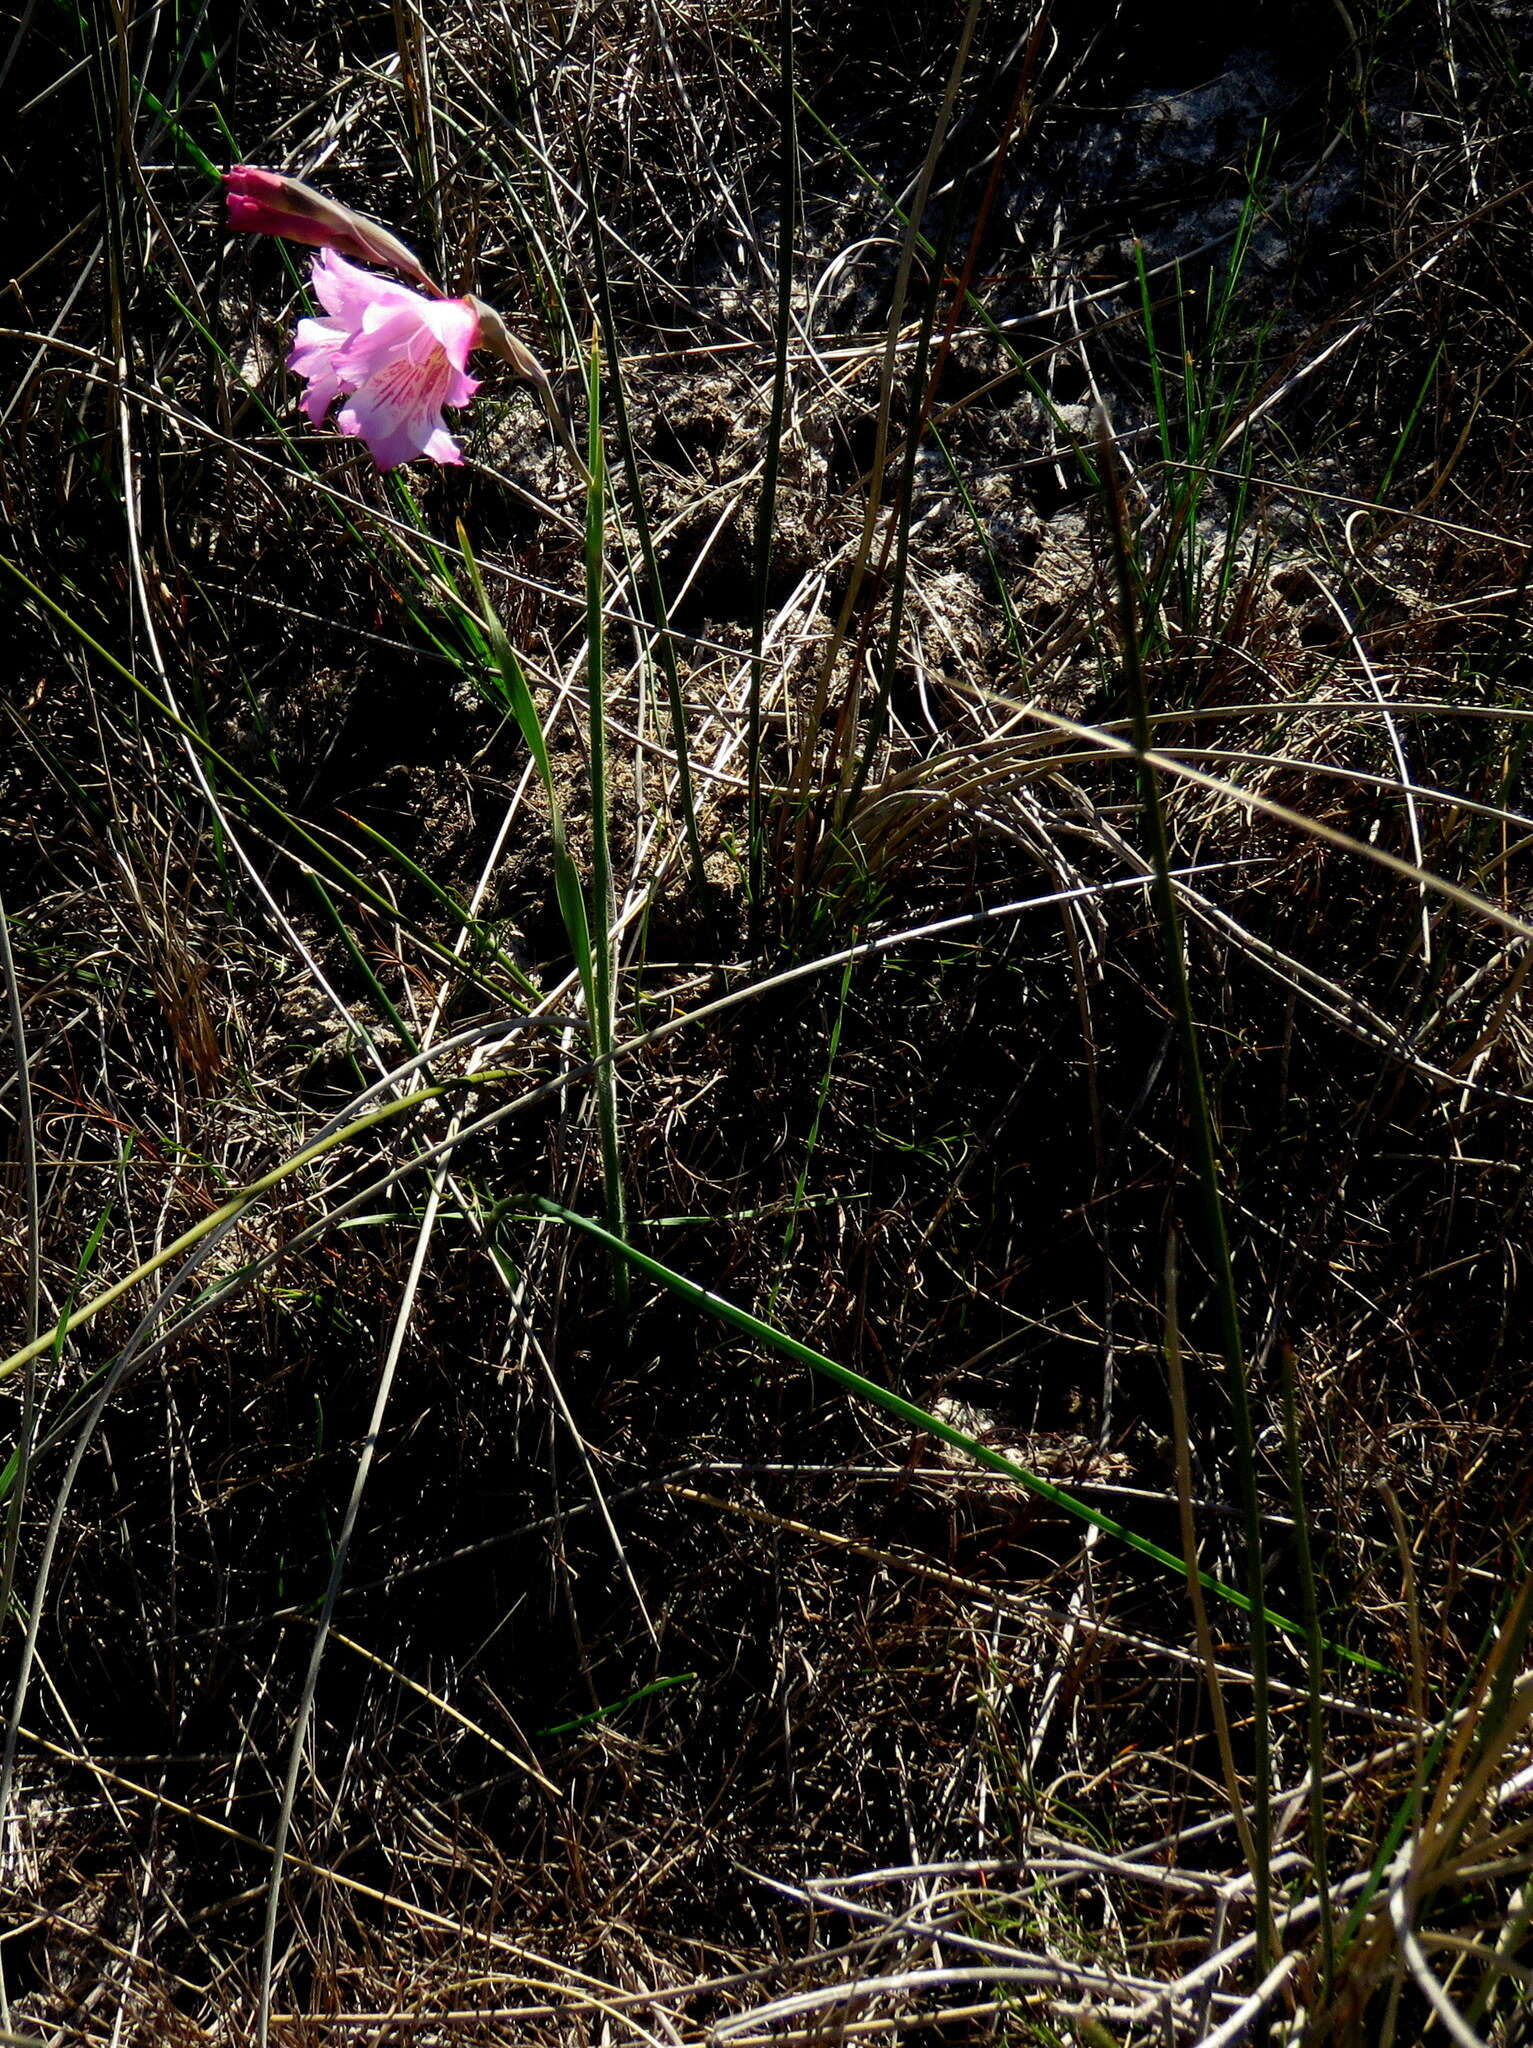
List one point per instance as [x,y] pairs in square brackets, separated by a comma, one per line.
[266,203]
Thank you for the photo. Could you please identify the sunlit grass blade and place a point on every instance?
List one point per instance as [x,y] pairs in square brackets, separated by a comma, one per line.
[235,1204]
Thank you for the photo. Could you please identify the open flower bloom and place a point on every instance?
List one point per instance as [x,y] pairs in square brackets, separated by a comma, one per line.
[395,357]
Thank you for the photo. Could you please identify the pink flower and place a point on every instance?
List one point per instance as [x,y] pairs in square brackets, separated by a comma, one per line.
[396,357]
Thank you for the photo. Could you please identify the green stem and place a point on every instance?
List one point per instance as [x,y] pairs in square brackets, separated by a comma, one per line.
[654,593]
[1207,1163]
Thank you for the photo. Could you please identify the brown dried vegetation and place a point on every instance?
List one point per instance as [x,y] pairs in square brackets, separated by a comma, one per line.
[669,1695]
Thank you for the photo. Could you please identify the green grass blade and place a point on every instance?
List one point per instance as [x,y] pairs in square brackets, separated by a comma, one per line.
[633,1699]
[917,1418]
[519,701]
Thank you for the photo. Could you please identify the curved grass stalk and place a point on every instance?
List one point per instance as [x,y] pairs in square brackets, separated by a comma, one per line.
[1108,740]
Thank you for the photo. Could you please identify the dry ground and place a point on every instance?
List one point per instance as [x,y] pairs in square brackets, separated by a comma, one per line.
[599,1672]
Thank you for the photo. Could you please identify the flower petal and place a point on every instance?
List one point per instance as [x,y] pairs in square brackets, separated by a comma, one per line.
[313,340]
[347,292]
[396,357]
[441,447]
[399,415]
[314,356]
[455,324]
[371,349]
[392,436]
